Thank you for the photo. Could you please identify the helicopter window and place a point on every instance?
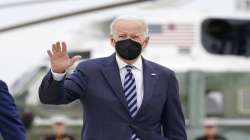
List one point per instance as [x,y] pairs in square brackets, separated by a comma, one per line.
[230,90]
[226,36]
[243,101]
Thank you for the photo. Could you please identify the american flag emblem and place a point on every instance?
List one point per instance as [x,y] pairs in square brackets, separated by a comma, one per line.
[180,35]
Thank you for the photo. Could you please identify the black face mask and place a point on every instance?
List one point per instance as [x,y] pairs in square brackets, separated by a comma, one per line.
[128,49]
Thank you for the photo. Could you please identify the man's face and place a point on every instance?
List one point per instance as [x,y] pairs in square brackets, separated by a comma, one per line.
[58,127]
[127,29]
[210,130]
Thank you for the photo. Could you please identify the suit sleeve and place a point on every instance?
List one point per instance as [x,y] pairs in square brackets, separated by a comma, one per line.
[72,87]
[11,127]
[173,119]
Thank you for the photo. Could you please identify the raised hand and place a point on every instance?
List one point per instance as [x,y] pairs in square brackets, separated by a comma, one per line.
[59,58]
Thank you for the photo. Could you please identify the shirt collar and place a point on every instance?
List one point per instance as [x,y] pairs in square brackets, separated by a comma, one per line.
[122,64]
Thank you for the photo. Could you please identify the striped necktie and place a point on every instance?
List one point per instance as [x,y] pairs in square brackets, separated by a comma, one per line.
[130,94]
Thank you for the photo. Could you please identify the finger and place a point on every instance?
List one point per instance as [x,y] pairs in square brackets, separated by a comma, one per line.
[58,46]
[75,58]
[64,47]
[54,48]
[49,53]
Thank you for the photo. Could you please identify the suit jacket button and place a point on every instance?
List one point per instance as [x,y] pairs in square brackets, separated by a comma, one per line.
[130,125]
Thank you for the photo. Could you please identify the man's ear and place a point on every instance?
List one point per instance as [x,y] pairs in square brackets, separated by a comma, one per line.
[112,40]
[145,43]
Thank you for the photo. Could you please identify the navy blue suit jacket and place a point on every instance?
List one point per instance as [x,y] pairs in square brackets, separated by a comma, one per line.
[98,86]
[11,127]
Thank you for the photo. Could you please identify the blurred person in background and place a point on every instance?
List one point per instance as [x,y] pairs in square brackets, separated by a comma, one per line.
[11,127]
[124,96]
[210,133]
[58,132]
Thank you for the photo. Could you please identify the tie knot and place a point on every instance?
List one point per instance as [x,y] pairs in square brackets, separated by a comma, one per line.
[129,68]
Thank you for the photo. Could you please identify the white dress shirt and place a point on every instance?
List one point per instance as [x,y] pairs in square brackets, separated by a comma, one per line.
[137,73]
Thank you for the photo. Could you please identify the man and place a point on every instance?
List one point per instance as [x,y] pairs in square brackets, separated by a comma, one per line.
[58,132]
[211,133]
[11,127]
[124,96]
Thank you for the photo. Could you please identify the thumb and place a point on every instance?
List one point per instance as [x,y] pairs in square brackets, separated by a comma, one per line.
[75,58]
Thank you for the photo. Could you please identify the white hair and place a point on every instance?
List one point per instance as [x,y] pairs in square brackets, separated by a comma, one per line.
[131,18]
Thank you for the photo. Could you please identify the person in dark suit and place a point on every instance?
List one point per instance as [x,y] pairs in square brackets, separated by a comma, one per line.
[124,96]
[11,127]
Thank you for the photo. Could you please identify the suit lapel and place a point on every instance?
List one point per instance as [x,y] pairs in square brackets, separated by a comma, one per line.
[149,80]
[112,75]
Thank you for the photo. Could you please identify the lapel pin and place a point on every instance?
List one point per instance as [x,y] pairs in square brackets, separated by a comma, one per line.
[153,74]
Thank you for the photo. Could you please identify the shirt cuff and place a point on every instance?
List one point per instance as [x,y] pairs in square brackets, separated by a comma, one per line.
[58,76]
